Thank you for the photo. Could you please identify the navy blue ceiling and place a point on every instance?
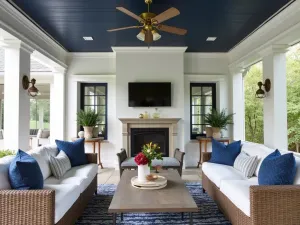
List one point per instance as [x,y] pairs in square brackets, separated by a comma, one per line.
[67,21]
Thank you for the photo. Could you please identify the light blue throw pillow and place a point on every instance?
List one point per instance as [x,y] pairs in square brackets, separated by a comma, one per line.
[74,151]
[25,173]
[277,169]
[225,154]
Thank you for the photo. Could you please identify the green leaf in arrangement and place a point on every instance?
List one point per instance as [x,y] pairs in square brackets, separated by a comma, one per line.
[218,119]
[88,118]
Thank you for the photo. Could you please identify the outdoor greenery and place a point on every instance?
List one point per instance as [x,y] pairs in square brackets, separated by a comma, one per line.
[88,118]
[254,106]
[35,105]
[4,153]
[218,119]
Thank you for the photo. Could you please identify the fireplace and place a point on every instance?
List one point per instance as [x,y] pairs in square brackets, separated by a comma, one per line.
[141,136]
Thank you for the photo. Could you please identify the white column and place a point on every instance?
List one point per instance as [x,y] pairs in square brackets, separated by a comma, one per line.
[238,103]
[41,117]
[0,113]
[275,104]
[57,106]
[16,99]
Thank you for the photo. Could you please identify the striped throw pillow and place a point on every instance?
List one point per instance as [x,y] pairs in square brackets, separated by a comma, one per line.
[60,164]
[246,164]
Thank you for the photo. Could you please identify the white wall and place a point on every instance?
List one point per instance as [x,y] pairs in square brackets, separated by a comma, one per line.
[131,65]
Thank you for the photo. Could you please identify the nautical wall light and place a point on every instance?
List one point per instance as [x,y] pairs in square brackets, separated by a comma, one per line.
[32,91]
[260,93]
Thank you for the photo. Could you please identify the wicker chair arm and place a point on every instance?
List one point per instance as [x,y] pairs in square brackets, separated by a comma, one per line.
[276,204]
[91,157]
[27,207]
[206,156]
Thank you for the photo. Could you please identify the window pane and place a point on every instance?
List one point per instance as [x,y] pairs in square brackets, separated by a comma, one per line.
[206,100]
[100,110]
[102,129]
[197,129]
[100,90]
[197,110]
[206,90]
[207,109]
[89,107]
[89,90]
[196,90]
[197,120]
[89,100]
[100,100]
[102,120]
[196,100]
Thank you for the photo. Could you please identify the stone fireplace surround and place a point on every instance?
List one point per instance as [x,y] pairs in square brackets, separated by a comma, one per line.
[171,123]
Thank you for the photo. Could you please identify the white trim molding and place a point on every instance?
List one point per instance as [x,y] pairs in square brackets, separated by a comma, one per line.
[149,50]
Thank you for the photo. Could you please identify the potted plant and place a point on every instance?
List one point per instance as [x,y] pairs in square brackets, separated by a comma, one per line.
[218,121]
[88,119]
[144,160]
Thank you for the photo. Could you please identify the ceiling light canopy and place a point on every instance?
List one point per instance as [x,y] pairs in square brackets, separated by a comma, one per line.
[88,38]
[211,38]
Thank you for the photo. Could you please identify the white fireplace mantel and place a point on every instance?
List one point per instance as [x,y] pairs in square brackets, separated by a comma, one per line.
[170,123]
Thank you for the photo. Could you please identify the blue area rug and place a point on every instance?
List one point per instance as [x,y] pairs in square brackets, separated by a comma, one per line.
[96,211]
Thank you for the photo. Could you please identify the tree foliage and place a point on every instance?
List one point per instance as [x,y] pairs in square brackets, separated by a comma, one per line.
[254,107]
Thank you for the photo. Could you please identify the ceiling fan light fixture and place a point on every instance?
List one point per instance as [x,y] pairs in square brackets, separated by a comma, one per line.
[141,35]
[156,35]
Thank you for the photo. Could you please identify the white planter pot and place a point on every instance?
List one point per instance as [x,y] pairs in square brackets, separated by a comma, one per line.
[143,171]
[88,132]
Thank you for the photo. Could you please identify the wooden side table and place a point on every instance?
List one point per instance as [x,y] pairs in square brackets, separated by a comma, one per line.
[204,141]
[93,141]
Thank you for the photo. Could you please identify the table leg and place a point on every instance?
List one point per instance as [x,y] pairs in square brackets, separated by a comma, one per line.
[191,218]
[205,147]
[182,216]
[94,147]
[114,219]
[99,156]
[200,151]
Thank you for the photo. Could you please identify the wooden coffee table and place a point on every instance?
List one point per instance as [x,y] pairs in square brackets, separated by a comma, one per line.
[173,198]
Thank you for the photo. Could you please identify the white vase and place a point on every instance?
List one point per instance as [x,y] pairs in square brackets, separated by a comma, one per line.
[81,134]
[88,132]
[143,171]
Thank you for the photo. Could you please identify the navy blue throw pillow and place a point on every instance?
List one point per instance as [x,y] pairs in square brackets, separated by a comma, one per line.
[277,169]
[25,173]
[74,150]
[225,154]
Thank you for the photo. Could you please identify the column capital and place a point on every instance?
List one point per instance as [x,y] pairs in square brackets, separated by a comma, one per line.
[16,44]
[274,49]
[236,69]
[59,70]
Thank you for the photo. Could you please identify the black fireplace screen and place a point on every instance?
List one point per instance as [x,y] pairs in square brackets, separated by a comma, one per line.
[141,136]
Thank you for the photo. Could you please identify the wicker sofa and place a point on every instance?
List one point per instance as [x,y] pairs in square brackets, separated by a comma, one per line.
[243,201]
[61,201]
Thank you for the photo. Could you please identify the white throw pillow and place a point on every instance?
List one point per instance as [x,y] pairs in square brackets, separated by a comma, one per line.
[60,164]
[246,164]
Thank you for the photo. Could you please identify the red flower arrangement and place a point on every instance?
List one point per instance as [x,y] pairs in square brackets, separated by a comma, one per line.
[141,159]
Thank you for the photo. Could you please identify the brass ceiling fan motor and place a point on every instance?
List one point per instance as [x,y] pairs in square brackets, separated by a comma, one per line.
[150,23]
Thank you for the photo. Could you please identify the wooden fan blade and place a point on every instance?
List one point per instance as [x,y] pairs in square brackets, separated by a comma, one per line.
[168,14]
[173,30]
[127,12]
[124,28]
[148,37]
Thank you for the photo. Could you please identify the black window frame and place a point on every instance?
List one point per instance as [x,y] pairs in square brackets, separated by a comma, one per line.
[214,103]
[82,105]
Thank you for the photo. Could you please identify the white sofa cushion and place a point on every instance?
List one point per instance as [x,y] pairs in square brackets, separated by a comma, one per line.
[217,173]
[65,196]
[297,177]
[238,192]
[42,157]
[81,176]
[4,166]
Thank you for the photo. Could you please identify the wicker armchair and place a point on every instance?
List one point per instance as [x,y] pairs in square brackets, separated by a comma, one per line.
[269,205]
[37,207]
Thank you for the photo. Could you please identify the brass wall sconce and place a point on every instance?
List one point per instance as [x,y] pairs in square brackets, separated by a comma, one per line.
[32,91]
[260,93]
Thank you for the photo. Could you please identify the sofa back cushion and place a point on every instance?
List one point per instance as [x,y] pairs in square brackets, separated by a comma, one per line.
[4,166]
[259,150]
[277,169]
[225,154]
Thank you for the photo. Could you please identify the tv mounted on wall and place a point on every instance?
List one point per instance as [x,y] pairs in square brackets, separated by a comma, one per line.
[149,94]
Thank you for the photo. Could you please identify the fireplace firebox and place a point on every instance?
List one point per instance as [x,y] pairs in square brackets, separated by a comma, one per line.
[141,136]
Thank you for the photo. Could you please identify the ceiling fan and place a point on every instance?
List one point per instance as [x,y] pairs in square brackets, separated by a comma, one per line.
[150,23]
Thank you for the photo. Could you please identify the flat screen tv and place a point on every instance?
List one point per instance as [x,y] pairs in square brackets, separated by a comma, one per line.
[149,94]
